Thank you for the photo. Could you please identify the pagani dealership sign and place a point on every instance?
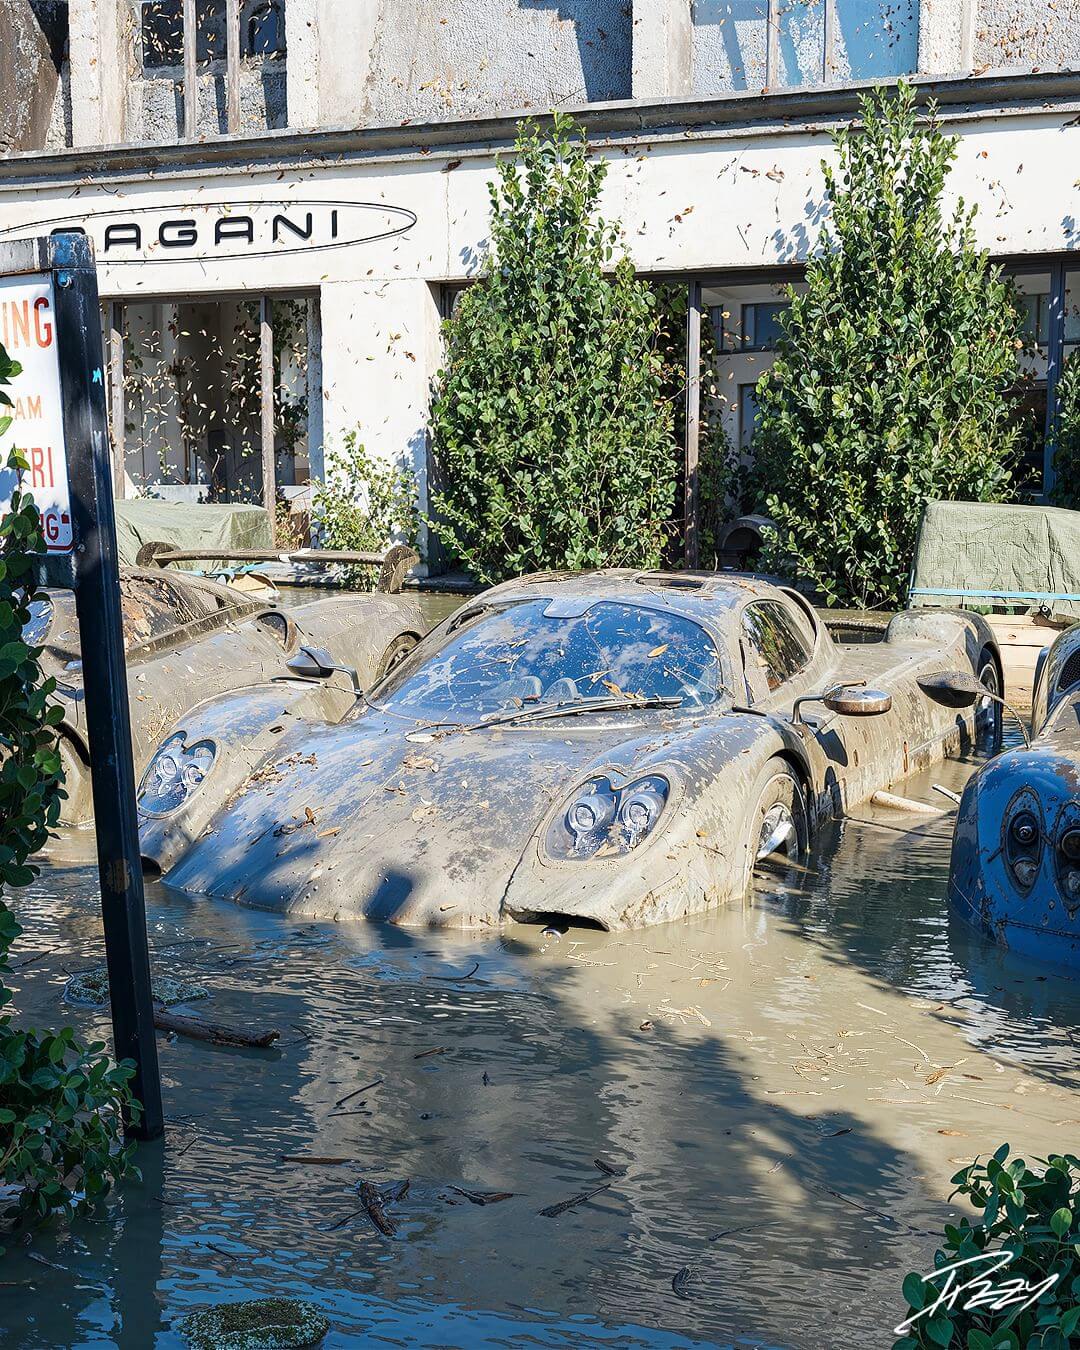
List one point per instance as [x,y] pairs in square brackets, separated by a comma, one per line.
[216,231]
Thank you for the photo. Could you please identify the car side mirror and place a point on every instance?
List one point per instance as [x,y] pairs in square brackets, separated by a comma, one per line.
[847,700]
[312,663]
[953,688]
[858,702]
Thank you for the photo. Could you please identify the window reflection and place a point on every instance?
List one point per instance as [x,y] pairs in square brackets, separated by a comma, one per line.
[519,655]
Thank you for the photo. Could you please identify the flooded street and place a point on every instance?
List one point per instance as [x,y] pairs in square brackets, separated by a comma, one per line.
[789,1086]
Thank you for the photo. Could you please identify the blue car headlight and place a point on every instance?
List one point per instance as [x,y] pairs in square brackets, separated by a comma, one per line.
[175,772]
[602,821]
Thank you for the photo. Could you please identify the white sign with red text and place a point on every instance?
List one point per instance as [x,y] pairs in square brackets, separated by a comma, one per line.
[28,334]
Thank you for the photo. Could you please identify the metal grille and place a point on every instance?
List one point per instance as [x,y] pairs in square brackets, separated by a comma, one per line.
[1070,671]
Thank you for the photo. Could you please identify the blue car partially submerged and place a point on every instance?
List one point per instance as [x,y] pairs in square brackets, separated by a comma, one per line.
[1015,870]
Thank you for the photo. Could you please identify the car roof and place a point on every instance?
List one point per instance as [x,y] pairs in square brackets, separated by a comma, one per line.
[692,593]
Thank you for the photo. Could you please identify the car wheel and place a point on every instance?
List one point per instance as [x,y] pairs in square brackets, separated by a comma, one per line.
[779,827]
[395,654]
[78,809]
[988,713]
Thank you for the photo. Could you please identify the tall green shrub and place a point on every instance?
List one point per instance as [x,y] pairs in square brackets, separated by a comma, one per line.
[892,381]
[551,428]
[1066,489]
[60,1102]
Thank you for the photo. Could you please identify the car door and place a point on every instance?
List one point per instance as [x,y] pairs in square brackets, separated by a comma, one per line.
[777,648]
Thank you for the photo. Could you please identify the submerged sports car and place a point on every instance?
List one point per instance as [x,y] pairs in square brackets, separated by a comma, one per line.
[618,748]
[188,639]
[1015,869]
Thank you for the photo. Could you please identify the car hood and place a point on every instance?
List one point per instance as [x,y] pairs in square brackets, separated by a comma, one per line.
[364,820]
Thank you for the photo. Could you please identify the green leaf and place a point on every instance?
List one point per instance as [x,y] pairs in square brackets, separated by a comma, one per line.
[1061,1221]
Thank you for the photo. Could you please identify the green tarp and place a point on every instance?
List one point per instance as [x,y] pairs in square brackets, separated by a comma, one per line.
[1022,557]
[189,526]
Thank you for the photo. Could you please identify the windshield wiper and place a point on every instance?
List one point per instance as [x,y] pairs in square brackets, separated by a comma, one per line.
[542,711]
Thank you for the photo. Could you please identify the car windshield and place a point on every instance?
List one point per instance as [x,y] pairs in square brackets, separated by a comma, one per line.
[544,653]
[37,626]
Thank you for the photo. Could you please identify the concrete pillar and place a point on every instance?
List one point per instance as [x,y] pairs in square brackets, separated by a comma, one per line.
[380,350]
[946,36]
[662,48]
[329,60]
[100,36]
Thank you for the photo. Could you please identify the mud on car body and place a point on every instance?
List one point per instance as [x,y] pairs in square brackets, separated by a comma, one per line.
[1015,867]
[618,748]
[188,639]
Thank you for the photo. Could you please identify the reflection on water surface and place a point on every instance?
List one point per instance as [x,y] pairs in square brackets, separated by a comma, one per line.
[789,1085]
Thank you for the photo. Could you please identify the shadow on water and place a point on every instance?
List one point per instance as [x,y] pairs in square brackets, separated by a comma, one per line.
[788,1084]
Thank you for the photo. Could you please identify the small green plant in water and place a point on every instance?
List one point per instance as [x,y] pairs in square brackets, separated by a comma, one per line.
[363,505]
[1019,1286]
[61,1102]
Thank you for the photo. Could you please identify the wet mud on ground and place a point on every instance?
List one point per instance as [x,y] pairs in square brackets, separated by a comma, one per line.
[788,1085]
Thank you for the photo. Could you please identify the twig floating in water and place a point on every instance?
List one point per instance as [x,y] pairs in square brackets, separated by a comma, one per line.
[483,1197]
[438,1050]
[374,1198]
[349,1096]
[610,1169]
[457,977]
[212,1032]
[553,1211]
[313,1160]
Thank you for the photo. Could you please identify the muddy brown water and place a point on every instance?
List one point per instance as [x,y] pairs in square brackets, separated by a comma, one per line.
[789,1085]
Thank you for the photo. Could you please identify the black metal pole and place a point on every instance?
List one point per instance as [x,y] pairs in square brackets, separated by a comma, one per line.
[97,603]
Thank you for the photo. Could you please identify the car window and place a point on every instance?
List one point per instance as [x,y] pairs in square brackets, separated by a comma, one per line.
[520,654]
[152,607]
[773,640]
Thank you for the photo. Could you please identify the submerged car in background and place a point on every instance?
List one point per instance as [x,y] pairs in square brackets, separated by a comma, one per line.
[615,748]
[188,639]
[1015,868]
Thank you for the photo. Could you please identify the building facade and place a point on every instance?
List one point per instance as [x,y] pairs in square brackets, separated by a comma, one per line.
[284,195]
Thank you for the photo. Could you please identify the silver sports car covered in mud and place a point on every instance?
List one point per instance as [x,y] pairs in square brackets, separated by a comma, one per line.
[615,748]
[1015,870]
[188,639]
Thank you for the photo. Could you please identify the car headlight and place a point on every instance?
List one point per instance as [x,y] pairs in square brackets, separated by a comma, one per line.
[1023,842]
[601,821]
[175,772]
[1068,861]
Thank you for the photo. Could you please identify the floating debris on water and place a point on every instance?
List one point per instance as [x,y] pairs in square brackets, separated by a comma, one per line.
[257,1324]
[91,988]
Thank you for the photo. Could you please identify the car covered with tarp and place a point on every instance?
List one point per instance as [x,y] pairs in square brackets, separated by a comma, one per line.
[188,639]
[615,748]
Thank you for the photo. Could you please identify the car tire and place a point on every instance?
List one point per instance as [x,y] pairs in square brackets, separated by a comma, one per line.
[778,825]
[989,714]
[395,654]
[78,808]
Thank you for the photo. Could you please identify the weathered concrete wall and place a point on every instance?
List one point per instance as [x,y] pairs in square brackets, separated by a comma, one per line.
[469,56]
[101,67]
[1027,33]
[155,110]
[33,38]
[663,49]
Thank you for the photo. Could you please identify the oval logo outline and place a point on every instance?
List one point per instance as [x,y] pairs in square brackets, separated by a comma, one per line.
[230,209]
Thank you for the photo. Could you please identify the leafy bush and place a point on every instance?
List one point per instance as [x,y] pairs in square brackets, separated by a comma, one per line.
[60,1102]
[362,505]
[552,431]
[1066,489]
[892,381]
[1035,1216]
